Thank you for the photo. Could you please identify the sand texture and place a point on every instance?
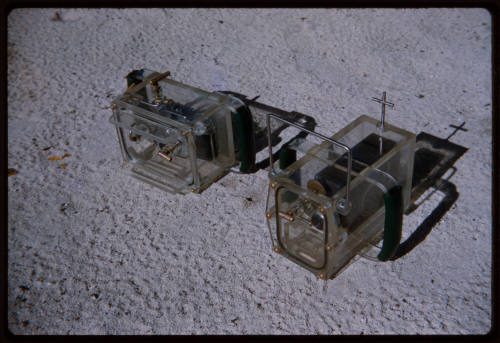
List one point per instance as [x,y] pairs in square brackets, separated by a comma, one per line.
[93,251]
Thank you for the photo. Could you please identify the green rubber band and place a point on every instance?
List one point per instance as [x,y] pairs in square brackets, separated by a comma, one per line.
[242,119]
[393,222]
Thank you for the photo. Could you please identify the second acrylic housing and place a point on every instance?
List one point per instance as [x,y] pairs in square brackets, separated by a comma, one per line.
[307,223]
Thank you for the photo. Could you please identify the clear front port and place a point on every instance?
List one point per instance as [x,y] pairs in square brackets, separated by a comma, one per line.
[301,227]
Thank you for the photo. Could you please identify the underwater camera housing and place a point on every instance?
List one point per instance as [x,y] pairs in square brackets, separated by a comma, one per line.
[178,137]
[342,196]
[182,139]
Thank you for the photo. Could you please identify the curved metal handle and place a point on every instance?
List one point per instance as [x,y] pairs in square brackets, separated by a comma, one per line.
[343,206]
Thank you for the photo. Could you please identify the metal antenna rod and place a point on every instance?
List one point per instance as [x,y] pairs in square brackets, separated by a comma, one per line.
[384,102]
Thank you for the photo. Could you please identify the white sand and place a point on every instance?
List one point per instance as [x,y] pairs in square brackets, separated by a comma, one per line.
[125,258]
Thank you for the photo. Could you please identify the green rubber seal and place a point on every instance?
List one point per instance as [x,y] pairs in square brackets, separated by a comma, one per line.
[287,157]
[393,225]
[243,124]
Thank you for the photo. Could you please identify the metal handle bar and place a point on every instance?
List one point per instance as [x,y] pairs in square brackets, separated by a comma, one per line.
[300,127]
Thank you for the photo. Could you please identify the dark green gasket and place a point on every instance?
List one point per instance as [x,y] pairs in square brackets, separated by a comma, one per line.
[393,225]
[243,123]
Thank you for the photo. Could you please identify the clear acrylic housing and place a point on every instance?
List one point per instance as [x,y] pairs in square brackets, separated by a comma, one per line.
[302,209]
[174,136]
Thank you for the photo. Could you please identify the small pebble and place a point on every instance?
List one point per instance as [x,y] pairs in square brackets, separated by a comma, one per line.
[56,17]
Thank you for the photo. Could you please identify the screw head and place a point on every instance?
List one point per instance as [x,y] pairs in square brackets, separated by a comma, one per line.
[273,185]
[329,247]
[322,210]
[268,215]
[322,276]
[276,249]
[112,106]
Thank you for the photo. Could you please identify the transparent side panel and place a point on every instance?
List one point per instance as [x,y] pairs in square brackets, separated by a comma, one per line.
[214,146]
[390,151]
[381,160]
[364,220]
[351,242]
[323,167]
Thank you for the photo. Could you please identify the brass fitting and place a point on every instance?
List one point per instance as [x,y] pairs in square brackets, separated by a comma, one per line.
[165,153]
[329,248]
[287,215]
[155,80]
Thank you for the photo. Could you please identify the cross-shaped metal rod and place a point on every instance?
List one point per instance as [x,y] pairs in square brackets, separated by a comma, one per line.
[460,127]
[384,102]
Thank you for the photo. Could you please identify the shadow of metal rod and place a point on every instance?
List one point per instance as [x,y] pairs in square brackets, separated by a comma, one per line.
[451,195]
[415,205]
